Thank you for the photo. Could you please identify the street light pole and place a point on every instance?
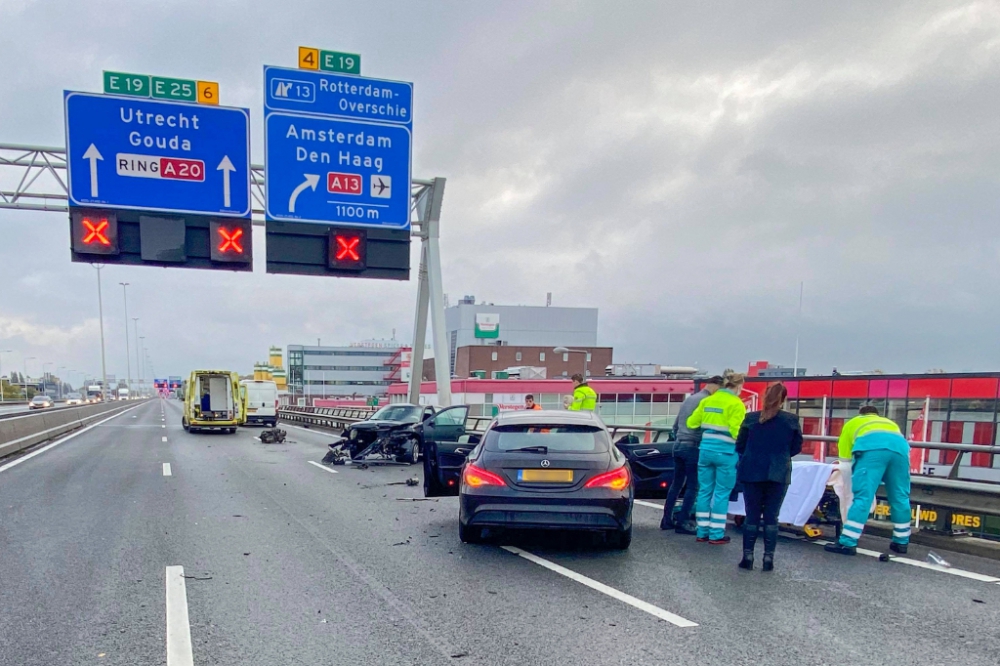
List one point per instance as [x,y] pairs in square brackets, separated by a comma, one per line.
[135,321]
[25,378]
[59,387]
[128,354]
[2,352]
[100,312]
[566,350]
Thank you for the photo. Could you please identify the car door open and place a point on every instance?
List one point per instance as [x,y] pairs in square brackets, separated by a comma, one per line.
[446,444]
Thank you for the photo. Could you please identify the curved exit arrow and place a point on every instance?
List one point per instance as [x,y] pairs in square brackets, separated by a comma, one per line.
[311,181]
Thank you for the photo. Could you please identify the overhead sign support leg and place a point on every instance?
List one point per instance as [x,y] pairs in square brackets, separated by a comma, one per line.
[430,295]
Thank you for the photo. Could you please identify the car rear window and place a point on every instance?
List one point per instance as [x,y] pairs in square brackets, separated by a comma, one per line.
[565,438]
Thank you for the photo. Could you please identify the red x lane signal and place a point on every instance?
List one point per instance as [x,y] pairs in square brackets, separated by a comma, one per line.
[94,232]
[231,241]
[348,249]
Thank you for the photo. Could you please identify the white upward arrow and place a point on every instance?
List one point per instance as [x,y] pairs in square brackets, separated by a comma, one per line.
[311,181]
[93,155]
[226,167]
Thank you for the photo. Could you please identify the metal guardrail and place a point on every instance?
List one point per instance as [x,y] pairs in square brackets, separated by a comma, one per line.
[333,418]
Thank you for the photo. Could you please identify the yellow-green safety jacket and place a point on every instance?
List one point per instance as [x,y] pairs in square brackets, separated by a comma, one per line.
[719,416]
[868,432]
[584,399]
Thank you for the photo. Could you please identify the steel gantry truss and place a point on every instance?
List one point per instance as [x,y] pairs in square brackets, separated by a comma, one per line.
[34,178]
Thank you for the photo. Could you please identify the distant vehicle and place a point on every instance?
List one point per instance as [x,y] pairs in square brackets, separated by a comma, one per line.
[123,394]
[74,399]
[94,393]
[212,401]
[546,470]
[40,402]
[260,401]
[392,433]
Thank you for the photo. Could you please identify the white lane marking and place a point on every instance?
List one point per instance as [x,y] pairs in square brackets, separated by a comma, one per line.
[163,439]
[178,627]
[60,441]
[900,560]
[163,426]
[604,589]
[923,565]
[166,469]
[322,467]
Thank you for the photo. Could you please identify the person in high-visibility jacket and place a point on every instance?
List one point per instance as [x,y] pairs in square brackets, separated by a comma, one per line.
[584,397]
[719,417]
[881,454]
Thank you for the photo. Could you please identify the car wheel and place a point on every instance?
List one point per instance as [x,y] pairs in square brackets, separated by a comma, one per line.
[620,539]
[184,424]
[468,534]
[413,456]
[432,487]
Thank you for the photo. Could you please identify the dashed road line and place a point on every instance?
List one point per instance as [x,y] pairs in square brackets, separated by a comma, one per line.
[166,470]
[651,505]
[655,611]
[178,626]
[322,467]
[163,439]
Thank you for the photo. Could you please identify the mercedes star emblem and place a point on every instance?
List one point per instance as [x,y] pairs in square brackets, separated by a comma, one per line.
[545,463]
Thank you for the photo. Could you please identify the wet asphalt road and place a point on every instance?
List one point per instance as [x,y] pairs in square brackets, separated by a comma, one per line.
[290,563]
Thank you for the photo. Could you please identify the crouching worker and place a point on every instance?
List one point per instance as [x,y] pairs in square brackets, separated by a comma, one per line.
[880,454]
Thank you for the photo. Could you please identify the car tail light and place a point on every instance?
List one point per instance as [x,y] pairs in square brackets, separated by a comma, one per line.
[616,479]
[477,477]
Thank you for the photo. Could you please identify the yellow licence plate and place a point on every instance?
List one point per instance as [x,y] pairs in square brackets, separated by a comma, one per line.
[251,410]
[546,475]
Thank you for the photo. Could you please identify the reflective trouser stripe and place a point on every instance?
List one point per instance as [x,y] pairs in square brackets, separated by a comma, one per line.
[871,468]
[716,478]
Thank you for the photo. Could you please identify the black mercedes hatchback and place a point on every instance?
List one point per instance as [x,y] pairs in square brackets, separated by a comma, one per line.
[552,470]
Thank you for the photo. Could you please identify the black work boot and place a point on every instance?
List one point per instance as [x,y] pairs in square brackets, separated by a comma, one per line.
[898,548]
[749,541]
[840,549]
[770,543]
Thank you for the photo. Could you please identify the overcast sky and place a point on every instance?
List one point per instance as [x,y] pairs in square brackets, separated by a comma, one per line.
[681,166]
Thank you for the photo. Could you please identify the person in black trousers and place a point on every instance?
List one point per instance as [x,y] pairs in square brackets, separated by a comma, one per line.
[766,443]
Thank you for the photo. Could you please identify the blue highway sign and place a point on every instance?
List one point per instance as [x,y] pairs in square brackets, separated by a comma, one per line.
[130,153]
[337,149]
[332,170]
[341,95]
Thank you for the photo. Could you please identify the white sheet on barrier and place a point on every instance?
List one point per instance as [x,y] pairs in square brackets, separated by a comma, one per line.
[809,480]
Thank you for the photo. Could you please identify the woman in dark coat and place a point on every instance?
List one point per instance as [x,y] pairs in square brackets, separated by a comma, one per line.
[766,443]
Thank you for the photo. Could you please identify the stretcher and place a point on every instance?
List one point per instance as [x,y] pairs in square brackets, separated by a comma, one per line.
[814,499]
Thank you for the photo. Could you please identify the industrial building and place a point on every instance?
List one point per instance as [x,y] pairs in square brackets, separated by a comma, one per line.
[534,329]
[544,362]
[358,370]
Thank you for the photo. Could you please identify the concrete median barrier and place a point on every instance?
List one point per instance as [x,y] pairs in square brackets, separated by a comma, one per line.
[24,430]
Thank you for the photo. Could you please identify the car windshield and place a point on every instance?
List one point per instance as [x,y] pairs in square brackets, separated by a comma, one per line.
[73,396]
[554,438]
[401,413]
[39,398]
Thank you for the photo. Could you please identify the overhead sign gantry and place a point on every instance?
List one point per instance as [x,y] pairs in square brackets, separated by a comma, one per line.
[338,169]
[158,182]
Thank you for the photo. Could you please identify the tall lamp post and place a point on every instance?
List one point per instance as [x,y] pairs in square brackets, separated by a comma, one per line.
[2,352]
[25,378]
[61,380]
[586,355]
[135,320]
[128,353]
[100,312]
[142,366]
